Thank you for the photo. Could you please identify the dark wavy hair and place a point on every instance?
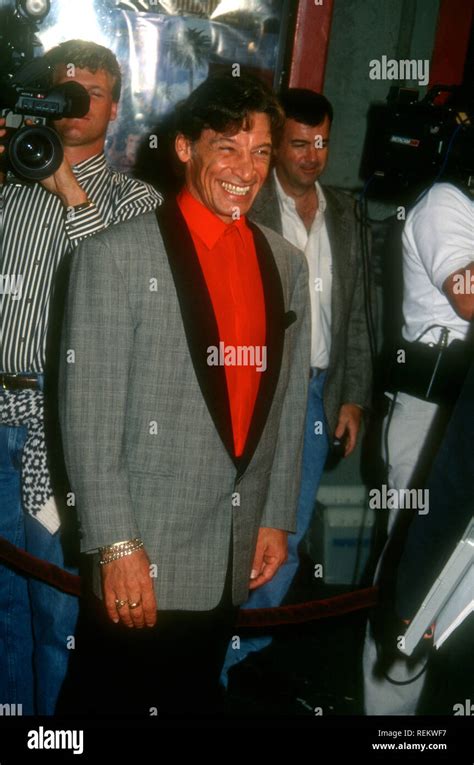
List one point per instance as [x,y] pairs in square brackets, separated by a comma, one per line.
[306,106]
[87,55]
[225,103]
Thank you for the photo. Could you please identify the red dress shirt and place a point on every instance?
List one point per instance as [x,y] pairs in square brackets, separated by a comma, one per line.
[229,263]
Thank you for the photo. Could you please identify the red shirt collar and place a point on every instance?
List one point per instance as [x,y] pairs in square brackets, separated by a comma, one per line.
[203,222]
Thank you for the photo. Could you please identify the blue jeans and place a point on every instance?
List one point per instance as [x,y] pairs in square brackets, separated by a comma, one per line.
[271,594]
[36,620]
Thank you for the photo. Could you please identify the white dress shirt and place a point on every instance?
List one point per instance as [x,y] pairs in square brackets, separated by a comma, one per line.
[317,250]
[438,239]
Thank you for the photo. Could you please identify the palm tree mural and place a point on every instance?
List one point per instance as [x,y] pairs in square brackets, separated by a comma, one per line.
[189,50]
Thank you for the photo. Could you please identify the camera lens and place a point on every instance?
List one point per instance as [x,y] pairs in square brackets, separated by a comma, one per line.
[35,152]
[33,9]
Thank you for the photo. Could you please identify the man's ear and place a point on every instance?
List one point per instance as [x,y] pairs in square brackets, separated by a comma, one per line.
[113,111]
[183,148]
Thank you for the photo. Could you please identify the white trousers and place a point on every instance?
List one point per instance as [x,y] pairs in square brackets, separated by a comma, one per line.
[410,423]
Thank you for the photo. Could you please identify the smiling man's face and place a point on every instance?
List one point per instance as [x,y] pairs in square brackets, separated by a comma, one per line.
[225,172]
[302,154]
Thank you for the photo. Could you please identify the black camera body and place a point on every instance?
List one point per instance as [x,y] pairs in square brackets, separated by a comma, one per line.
[34,149]
[28,103]
[410,144]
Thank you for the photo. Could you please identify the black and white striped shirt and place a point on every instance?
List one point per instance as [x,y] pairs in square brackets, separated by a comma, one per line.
[38,231]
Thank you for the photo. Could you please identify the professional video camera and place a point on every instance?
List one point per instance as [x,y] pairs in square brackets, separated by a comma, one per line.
[410,143]
[27,102]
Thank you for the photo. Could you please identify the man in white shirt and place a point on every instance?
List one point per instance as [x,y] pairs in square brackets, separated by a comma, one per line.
[322,223]
[438,306]
[438,240]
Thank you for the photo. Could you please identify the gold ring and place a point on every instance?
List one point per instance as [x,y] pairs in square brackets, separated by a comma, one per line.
[134,605]
[120,603]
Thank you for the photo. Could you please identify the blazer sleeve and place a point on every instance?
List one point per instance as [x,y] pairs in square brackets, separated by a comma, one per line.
[282,497]
[96,350]
[357,382]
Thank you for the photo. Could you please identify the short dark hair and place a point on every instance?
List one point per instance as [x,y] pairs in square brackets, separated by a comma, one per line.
[224,103]
[87,55]
[306,106]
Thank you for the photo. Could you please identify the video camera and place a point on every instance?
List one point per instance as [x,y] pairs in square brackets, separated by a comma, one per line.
[410,143]
[27,102]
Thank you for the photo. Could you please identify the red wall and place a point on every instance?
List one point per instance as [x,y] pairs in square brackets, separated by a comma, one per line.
[310,48]
[451,41]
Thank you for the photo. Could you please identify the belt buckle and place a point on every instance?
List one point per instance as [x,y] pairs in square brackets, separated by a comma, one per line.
[4,377]
[11,380]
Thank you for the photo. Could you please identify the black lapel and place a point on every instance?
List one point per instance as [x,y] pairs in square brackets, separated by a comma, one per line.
[198,316]
[275,335]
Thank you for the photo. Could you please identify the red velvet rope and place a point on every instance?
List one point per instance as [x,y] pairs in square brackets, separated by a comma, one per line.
[39,569]
[255,617]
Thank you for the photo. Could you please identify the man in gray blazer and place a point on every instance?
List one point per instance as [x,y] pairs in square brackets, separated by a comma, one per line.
[184,507]
[320,221]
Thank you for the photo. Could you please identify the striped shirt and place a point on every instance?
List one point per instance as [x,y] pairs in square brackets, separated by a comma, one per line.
[38,231]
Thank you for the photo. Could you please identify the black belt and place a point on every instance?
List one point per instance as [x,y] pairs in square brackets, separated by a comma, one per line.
[433,373]
[316,372]
[18,382]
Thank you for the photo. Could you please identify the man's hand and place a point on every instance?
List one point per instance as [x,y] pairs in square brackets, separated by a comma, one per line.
[63,183]
[350,416]
[429,632]
[129,579]
[270,554]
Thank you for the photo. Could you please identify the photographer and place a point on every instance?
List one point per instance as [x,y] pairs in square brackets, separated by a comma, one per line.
[41,223]
[429,369]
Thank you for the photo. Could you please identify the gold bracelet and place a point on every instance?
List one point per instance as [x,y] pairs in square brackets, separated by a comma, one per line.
[113,547]
[119,550]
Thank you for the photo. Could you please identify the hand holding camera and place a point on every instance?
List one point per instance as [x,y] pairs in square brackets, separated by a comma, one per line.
[61,182]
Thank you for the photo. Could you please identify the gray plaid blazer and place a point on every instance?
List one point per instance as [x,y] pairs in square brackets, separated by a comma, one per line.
[146,421]
[349,378]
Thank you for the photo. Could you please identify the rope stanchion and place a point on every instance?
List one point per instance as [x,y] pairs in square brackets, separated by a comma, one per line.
[309,611]
[28,564]
[255,617]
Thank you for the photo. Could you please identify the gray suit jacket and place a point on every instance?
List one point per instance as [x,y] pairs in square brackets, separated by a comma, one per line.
[146,421]
[349,377]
